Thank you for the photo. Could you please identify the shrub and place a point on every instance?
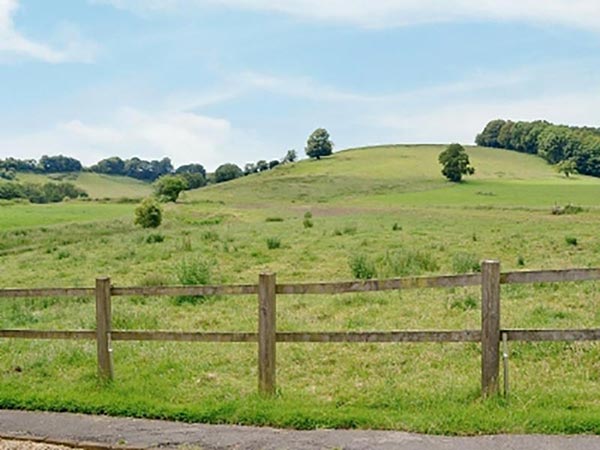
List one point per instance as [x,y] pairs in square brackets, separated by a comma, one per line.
[404,262]
[396,227]
[520,261]
[308,215]
[362,267]
[465,262]
[274,219]
[148,214]
[571,240]
[155,238]
[307,223]
[168,187]
[273,243]
[193,272]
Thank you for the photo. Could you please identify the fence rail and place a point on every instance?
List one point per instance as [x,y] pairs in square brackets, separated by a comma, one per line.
[489,335]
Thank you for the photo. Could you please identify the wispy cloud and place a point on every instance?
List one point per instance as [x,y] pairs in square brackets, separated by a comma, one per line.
[14,45]
[392,13]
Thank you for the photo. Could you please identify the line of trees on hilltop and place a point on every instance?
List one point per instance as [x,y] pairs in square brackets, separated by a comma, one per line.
[568,146]
[46,164]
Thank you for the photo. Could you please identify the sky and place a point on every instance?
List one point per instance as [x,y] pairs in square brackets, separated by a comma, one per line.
[215,81]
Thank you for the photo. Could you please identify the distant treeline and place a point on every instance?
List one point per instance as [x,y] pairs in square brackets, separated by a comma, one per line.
[40,193]
[554,143]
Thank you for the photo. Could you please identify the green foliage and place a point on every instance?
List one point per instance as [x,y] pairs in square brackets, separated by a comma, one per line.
[469,303]
[319,144]
[168,187]
[307,223]
[273,243]
[579,146]
[520,261]
[227,172]
[148,214]
[40,193]
[405,261]
[571,240]
[274,219]
[193,272]
[455,162]
[155,238]
[289,157]
[362,267]
[463,262]
[567,167]
[396,227]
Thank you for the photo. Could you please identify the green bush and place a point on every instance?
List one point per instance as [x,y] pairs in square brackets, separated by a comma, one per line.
[396,227]
[465,262]
[148,214]
[274,219]
[362,267]
[193,272]
[571,240]
[403,262]
[558,210]
[155,238]
[307,223]
[273,243]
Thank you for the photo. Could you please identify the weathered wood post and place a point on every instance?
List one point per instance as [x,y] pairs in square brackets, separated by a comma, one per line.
[490,327]
[266,333]
[103,329]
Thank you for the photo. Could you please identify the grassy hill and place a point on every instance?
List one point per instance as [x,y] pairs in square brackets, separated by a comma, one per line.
[387,208]
[410,175]
[98,186]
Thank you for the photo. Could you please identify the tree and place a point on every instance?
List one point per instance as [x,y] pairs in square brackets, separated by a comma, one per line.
[290,157]
[489,136]
[168,187]
[110,166]
[319,144]
[250,168]
[148,214]
[568,167]
[455,163]
[262,165]
[191,168]
[273,164]
[226,172]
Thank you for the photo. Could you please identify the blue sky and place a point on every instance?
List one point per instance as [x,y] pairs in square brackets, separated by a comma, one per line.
[215,81]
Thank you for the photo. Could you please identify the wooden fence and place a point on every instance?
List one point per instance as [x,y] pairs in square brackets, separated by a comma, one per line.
[489,335]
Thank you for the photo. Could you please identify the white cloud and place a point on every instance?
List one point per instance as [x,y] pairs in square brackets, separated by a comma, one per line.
[14,44]
[388,13]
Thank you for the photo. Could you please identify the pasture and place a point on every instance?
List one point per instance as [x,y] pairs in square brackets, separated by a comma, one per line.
[388,207]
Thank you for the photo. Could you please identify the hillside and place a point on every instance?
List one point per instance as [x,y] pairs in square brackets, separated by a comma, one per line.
[409,175]
[98,186]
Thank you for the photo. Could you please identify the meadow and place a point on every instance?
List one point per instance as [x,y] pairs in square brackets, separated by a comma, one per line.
[384,208]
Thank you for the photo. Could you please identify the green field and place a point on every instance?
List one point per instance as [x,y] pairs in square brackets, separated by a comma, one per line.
[97,186]
[388,205]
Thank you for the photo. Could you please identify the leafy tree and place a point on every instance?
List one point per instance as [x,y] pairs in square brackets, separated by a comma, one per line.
[489,136]
[169,187]
[568,167]
[250,168]
[148,214]
[58,164]
[194,180]
[455,162]
[191,168]
[273,164]
[319,144]
[110,166]
[226,172]
[262,165]
[290,157]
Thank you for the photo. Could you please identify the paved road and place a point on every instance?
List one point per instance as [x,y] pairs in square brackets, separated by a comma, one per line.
[140,433]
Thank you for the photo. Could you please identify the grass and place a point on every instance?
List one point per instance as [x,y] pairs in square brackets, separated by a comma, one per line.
[387,205]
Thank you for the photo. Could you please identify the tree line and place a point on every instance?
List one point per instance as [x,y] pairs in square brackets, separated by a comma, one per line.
[572,148]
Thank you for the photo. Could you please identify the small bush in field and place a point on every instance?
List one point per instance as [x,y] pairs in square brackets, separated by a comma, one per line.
[273,243]
[307,223]
[155,238]
[362,267]
[148,214]
[571,240]
[193,272]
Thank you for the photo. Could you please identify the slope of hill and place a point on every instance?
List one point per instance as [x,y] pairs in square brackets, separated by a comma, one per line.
[409,175]
[97,186]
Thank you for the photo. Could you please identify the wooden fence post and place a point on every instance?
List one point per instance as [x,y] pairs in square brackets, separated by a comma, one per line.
[266,333]
[490,327]
[103,329]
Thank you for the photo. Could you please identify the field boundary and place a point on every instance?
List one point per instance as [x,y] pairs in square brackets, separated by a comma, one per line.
[490,334]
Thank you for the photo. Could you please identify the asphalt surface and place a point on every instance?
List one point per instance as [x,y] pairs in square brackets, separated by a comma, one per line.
[97,432]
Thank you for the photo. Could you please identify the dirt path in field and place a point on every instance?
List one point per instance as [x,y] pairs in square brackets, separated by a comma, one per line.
[99,432]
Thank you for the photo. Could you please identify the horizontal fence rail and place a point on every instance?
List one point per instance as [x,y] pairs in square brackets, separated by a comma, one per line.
[489,335]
